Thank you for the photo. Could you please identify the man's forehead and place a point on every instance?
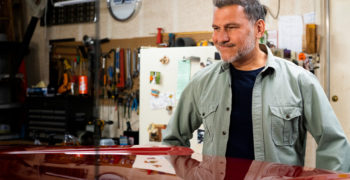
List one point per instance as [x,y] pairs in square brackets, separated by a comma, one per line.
[229,14]
[231,10]
[233,4]
[229,6]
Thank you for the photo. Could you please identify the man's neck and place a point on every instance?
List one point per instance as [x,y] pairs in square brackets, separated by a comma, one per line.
[255,60]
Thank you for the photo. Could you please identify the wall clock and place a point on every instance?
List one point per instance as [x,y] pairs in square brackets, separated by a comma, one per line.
[122,10]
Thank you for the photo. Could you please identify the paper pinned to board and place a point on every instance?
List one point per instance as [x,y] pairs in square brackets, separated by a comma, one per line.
[290,33]
[157,163]
[162,101]
[183,76]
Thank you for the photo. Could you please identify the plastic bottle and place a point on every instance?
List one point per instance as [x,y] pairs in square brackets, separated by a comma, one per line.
[83,79]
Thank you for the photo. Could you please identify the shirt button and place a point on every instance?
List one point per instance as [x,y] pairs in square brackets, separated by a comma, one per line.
[224,133]
[203,114]
[287,116]
[227,109]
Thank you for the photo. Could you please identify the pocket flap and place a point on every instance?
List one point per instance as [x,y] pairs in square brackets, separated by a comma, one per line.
[209,109]
[285,112]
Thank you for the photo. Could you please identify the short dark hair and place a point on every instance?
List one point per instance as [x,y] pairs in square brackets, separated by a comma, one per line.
[252,8]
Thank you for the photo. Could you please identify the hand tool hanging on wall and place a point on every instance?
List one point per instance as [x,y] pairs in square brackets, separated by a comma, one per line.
[125,111]
[111,78]
[134,105]
[114,76]
[110,91]
[116,65]
[128,84]
[138,100]
[128,104]
[115,73]
[103,76]
[111,65]
[103,83]
[135,72]
[125,107]
[121,77]
[118,109]
[110,101]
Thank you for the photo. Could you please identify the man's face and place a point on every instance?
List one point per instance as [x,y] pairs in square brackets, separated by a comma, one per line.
[233,35]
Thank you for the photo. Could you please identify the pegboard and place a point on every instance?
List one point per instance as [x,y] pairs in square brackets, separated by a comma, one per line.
[69,51]
[72,14]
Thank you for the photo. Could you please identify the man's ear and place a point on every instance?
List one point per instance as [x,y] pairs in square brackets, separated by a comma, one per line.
[259,28]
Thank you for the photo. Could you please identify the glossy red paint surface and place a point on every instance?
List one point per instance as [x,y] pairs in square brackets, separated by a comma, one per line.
[125,162]
[112,150]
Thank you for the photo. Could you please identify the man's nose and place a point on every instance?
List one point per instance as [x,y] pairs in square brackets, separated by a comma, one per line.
[222,36]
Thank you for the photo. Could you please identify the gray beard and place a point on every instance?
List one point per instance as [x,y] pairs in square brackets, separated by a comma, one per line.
[245,50]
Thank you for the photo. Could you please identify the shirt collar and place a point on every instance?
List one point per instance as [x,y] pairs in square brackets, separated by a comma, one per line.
[270,63]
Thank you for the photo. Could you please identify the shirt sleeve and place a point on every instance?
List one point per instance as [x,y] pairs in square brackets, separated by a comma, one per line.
[333,151]
[185,120]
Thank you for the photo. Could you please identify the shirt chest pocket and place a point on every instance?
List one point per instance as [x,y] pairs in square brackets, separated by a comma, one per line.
[208,116]
[285,124]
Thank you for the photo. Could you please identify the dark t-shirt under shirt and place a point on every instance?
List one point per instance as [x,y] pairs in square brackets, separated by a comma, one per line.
[240,142]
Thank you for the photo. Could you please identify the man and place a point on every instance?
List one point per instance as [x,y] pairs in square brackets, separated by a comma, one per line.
[254,105]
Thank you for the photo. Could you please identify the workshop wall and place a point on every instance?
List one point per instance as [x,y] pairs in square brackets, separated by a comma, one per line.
[288,7]
[172,16]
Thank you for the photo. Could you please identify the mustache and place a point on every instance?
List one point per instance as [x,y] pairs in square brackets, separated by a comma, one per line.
[226,44]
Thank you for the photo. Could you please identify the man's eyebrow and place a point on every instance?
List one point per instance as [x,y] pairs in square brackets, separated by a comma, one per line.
[232,24]
[228,24]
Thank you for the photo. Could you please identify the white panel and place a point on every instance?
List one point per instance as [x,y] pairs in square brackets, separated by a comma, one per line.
[340,45]
[150,62]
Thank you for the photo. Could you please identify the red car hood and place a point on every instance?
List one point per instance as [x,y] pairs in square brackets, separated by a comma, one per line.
[126,162]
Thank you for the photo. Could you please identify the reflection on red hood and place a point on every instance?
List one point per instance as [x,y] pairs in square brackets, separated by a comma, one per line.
[126,162]
[111,150]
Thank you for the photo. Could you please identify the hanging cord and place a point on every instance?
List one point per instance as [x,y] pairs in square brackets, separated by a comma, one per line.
[278,10]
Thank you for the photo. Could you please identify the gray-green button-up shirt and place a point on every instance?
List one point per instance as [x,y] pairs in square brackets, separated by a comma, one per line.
[287,101]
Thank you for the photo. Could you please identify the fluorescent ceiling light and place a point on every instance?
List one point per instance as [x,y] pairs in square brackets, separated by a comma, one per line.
[71,2]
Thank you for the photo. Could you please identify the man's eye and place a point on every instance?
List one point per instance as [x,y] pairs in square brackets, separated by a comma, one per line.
[215,28]
[231,27]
